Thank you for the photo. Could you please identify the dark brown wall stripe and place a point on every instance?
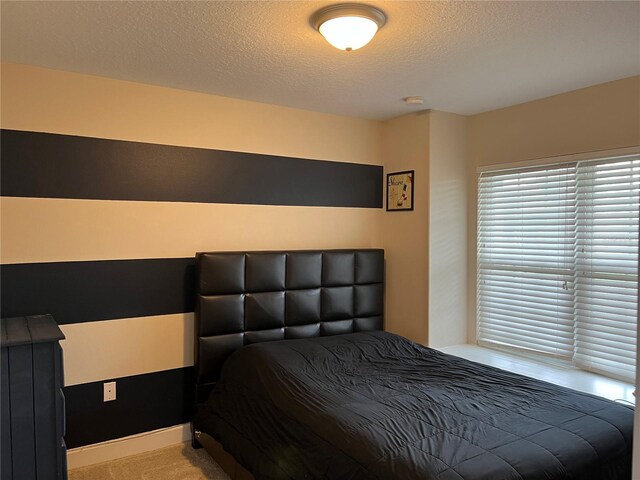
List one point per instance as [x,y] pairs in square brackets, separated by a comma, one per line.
[76,292]
[144,403]
[62,166]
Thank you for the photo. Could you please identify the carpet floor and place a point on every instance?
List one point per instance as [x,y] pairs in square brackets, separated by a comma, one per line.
[178,462]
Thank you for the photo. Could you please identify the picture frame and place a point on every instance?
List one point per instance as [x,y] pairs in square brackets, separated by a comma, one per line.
[400,189]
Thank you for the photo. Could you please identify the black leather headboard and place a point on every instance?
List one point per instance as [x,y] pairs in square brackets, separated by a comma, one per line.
[248,297]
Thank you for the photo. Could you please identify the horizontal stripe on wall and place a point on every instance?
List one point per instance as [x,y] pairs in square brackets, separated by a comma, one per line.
[95,351]
[58,230]
[88,291]
[143,403]
[62,166]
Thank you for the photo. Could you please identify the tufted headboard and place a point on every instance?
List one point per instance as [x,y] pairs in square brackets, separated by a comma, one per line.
[248,297]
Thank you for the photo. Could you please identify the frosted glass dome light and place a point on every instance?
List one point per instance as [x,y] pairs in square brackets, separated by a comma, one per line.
[348,26]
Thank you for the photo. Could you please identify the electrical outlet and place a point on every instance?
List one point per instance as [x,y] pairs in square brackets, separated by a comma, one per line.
[109,391]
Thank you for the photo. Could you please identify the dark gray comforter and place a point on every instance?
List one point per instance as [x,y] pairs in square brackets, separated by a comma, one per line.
[377,406]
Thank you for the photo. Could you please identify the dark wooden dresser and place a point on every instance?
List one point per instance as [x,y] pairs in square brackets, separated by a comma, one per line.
[33,415]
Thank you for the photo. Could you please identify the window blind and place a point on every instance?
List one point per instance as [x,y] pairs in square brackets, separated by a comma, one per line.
[525,259]
[606,286]
[558,261]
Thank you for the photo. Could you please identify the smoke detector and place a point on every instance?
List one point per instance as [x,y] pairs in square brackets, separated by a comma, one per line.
[413,101]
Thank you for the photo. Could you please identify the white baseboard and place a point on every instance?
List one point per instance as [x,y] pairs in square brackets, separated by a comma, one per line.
[126,446]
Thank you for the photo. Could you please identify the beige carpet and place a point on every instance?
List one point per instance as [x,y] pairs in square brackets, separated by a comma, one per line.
[179,462]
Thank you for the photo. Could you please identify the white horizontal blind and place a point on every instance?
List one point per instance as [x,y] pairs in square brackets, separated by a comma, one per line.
[558,261]
[606,288]
[526,236]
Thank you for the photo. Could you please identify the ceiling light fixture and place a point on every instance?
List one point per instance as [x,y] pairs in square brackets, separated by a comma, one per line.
[348,26]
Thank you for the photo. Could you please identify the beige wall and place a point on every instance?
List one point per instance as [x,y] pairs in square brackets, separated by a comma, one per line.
[601,117]
[405,146]
[47,230]
[52,101]
[425,263]
[103,230]
[448,171]
[595,118]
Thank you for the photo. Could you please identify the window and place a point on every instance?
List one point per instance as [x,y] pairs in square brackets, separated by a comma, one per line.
[558,261]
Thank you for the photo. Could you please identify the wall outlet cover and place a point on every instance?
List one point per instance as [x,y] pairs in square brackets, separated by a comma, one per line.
[109,391]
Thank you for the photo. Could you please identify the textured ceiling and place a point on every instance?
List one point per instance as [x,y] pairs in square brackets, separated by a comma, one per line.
[463,57]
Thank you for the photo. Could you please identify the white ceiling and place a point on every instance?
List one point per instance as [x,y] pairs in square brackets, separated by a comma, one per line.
[463,57]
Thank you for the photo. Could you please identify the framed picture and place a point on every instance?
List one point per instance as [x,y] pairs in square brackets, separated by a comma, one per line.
[400,191]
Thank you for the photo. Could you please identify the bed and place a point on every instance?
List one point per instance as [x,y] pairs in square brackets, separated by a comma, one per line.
[296,379]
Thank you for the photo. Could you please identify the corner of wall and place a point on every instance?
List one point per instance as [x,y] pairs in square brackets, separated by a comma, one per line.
[448,245]
[427,247]
[405,146]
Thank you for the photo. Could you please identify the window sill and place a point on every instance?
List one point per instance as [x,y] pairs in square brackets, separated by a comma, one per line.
[566,376]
